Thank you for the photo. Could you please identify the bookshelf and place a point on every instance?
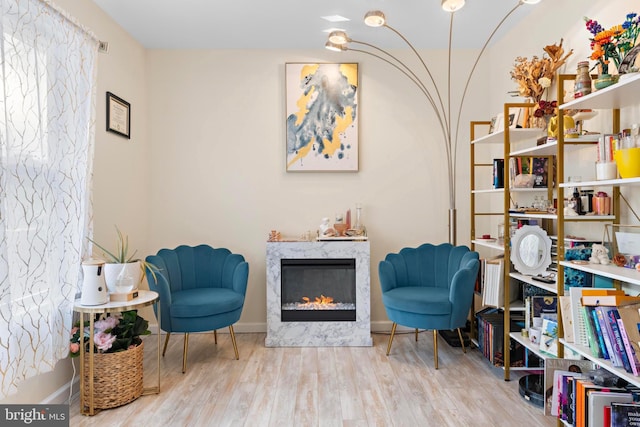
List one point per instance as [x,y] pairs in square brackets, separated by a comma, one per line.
[613,98]
[508,143]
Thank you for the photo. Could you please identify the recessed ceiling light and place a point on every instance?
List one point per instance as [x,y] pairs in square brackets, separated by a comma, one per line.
[335,18]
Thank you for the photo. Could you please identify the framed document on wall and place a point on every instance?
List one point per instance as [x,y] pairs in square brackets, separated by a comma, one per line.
[118,116]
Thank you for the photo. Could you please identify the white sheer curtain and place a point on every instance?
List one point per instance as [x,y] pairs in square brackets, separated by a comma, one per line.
[47,108]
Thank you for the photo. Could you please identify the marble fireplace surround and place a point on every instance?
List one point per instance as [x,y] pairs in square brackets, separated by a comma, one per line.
[318,334]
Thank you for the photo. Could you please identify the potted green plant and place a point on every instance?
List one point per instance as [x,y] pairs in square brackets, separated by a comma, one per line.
[123,272]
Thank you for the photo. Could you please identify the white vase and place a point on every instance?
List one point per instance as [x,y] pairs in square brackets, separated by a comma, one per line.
[122,278]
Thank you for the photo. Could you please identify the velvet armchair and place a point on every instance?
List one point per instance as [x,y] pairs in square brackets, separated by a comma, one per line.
[429,287]
[201,289]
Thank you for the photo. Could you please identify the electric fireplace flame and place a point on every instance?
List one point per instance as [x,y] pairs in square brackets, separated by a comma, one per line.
[319,303]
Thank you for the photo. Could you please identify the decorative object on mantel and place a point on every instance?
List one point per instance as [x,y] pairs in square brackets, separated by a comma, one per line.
[614,44]
[274,236]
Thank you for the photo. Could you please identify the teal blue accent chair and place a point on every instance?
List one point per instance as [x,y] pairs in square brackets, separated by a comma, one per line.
[429,287]
[201,289]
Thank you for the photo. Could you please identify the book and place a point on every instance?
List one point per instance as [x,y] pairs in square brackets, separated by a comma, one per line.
[577,367]
[598,331]
[567,321]
[540,171]
[591,333]
[578,321]
[549,337]
[498,173]
[545,307]
[630,318]
[618,344]
[493,289]
[631,353]
[610,300]
[625,414]
[601,291]
[583,389]
[597,400]
[607,335]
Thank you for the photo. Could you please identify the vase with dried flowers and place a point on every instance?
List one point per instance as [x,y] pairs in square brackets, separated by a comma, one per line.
[534,76]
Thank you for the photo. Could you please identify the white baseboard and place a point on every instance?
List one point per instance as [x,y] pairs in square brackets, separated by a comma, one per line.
[261,327]
[61,395]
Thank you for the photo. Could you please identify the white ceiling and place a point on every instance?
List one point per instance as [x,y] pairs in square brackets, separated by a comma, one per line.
[298,24]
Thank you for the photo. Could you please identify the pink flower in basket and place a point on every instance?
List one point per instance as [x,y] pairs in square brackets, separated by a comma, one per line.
[103,340]
[107,323]
[112,333]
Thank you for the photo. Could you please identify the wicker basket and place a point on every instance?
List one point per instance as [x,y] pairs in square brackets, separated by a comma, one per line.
[117,377]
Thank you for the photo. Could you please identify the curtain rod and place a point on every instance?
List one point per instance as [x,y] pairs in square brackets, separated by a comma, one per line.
[65,15]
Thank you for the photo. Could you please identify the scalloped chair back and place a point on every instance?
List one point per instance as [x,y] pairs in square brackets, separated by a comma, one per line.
[201,289]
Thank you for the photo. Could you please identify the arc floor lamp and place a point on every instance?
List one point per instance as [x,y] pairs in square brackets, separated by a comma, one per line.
[423,79]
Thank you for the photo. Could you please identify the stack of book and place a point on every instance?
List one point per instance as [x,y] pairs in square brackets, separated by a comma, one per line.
[491,337]
[606,320]
[493,282]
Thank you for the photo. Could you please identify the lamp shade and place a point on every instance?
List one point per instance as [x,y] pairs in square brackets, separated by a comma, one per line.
[338,37]
[452,5]
[334,47]
[375,18]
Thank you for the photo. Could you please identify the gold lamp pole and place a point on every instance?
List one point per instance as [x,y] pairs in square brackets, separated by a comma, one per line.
[339,40]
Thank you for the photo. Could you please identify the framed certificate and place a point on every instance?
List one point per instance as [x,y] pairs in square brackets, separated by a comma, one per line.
[118,116]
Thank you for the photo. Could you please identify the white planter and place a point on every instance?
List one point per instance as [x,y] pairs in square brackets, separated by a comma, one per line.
[122,278]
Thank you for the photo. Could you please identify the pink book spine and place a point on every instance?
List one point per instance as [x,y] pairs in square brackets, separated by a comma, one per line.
[633,360]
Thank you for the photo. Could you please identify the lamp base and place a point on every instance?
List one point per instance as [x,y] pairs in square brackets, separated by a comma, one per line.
[452,226]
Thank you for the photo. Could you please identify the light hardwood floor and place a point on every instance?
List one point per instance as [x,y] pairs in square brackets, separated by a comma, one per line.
[326,386]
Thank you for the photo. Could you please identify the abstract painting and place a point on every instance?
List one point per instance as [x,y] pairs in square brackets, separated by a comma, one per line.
[322,117]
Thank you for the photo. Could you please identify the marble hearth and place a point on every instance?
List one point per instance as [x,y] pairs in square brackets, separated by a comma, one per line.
[318,333]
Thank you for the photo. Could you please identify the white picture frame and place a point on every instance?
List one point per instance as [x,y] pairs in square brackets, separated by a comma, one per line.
[499,125]
[514,117]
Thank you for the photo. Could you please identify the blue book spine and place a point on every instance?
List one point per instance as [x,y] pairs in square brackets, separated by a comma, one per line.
[607,335]
[596,324]
[613,316]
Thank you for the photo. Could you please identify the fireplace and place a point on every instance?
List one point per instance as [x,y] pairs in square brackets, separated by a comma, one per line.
[318,294]
[318,290]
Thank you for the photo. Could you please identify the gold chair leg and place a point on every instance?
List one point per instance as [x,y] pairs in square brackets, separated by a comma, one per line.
[464,350]
[435,347]
[393,332]
[166,341]
[416,334]
[184,353]
[215,337]
[233,340]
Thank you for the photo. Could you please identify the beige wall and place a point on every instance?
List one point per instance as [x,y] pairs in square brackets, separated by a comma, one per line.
[218,160]
[206,162]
